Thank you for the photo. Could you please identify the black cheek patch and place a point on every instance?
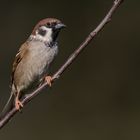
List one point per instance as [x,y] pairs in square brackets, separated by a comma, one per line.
[42,32]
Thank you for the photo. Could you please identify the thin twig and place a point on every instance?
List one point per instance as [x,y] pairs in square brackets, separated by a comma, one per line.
[4,120]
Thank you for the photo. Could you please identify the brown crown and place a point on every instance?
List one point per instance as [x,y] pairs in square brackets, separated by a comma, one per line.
[44,22]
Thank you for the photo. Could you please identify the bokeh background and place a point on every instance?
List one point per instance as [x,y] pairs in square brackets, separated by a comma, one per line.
[98,97]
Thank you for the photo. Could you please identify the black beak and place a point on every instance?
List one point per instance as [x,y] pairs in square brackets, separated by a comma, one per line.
[60,26]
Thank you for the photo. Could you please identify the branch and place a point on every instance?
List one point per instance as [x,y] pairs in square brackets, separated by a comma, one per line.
[5,119]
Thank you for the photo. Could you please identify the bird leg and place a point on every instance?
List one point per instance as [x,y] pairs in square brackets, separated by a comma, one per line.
[48,79]
[18,103]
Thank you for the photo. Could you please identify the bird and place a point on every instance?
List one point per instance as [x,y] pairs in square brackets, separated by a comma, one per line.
[32,62]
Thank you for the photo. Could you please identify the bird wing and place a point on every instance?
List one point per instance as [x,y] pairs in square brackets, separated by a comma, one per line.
[21,53]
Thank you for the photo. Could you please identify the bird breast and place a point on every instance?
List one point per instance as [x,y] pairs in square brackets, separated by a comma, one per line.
[41,56]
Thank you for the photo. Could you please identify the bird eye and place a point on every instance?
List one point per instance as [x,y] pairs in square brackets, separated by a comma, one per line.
[48,24]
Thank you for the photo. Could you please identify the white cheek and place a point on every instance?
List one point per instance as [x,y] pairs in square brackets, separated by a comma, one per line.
[47,37]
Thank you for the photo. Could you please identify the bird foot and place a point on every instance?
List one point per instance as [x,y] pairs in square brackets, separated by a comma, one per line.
[48,79]
[18,105]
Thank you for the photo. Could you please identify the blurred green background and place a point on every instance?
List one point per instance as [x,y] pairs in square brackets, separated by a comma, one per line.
[98,97]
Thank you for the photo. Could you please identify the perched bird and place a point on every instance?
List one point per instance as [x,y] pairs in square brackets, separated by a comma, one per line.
[34,58]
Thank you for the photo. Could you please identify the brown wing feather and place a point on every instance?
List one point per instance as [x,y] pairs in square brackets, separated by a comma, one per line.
[23,49]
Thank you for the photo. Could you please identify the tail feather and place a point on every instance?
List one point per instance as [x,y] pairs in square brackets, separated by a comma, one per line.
[8,105]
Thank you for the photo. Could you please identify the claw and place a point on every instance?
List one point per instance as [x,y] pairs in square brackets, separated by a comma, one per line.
[48,79]
[18,104]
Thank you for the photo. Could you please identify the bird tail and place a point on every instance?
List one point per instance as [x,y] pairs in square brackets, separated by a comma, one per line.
[8,106]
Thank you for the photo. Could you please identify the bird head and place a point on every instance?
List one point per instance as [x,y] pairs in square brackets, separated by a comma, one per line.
[47,30]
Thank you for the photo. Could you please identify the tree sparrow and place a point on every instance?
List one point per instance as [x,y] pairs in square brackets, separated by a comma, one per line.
[34,58]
